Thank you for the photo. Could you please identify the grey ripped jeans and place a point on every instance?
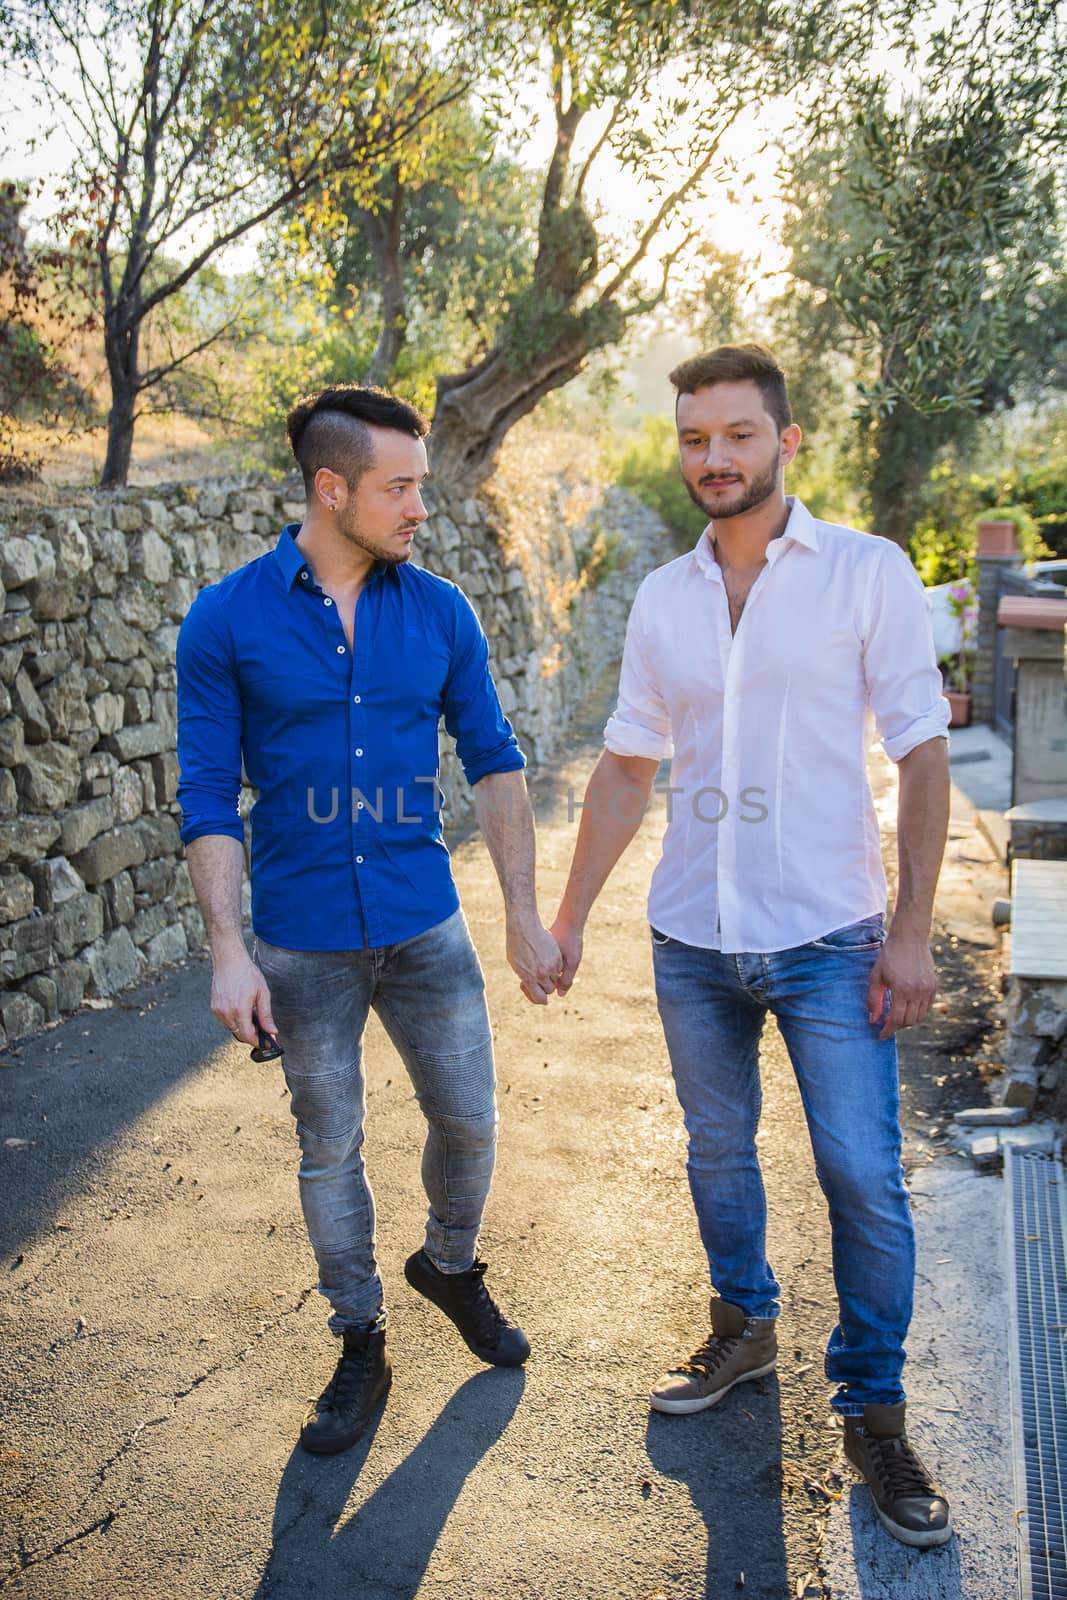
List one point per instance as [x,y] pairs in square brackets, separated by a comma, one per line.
[429,994]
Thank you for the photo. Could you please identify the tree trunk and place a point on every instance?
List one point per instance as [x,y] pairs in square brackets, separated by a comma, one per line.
[383,236]
[121,346]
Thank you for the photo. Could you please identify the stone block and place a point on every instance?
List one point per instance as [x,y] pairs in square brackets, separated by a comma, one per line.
[27,838]
[509,700]
[55,881]
[9,799]
[115,639]
[113,551]
[114,963]
[77,923]
[16,895]
[12,742]
[157,515]
[985,1152]
[153,880]
[990,1116]
[57,599]
[70,980]
[128,795]
[143,769]
[26,560]
[148,922]
[193,923]
[21,1015]
[67,705]
[117,675]
[44,991]
[49,778]
[26,703]
[137,704]
[47,664]
[16,623]
[127,516]
[73,552]
[110,853]
[178,597]
[118,897]
[170,945]
[181,887]
[211,503]
[150,558]
[138,604]
[107,712]
[142,673]
[1020,1088]
[159,836]
[10,660]
[166,771]
[81,824]
[142,739]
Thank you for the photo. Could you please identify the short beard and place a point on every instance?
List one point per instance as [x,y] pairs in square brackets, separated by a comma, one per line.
[347,528]
[758,491]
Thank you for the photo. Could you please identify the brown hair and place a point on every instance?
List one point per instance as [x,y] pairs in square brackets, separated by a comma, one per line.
[736,363]
[332,429]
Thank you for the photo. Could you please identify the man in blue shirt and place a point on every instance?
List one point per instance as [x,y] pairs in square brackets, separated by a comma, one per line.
[326,665]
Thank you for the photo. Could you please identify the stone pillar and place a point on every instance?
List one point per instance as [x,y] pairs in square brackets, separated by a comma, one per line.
[997,548]
[1033,637]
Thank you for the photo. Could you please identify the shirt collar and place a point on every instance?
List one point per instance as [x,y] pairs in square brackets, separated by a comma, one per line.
[294,563]
[801,528]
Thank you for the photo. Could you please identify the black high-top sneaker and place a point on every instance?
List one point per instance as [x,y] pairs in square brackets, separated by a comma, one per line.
[344,1407]
[465,1300]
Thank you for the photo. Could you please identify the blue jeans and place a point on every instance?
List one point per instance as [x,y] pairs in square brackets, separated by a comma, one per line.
[430,995]
[712,1007]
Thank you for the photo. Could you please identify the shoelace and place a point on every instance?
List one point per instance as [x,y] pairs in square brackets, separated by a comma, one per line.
[899,1468]
[480,1303]
[345,1384]
[711,1355]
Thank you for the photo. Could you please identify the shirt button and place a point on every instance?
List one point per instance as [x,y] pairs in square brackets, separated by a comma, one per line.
[340,649]
[304,576]
[359,861]
[359,752]
[327,601]
[359,805]
[356,699]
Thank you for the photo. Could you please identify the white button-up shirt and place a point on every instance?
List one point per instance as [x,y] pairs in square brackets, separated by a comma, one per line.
[772,838]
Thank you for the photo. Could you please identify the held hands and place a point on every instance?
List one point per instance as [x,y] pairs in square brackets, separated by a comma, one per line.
[569,937]
[237,989]
[906,968]
[534,955]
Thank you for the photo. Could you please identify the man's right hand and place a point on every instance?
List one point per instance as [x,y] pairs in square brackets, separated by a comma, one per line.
[237,989]
[569,937]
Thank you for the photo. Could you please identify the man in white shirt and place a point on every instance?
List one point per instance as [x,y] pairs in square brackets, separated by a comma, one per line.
[761,662]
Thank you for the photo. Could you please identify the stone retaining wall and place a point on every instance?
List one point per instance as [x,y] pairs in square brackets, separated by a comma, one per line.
[94,889]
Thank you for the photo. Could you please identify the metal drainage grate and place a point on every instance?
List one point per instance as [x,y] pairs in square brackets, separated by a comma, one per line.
[1037,1229]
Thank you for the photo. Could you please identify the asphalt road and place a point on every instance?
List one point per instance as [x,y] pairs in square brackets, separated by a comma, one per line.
[160,1332]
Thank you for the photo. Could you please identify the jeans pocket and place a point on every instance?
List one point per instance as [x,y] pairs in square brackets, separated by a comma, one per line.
[867,934]
[659,939]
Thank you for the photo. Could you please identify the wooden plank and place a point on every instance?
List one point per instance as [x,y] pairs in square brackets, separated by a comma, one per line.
[1039,919]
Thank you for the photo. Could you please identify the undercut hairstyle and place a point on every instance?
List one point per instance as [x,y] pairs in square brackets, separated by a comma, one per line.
[332,429]
[738,363]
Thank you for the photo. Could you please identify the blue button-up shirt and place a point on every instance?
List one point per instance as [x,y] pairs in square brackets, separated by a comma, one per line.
[341,743]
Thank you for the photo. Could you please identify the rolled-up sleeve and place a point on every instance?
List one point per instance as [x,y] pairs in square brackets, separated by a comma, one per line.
[485,740]
[901,671]
[209,726]
[640,724]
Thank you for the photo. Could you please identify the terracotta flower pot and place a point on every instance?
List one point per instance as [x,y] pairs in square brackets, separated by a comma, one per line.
[959,701]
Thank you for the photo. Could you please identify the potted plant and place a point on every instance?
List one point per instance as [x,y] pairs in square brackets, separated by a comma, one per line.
[958,668]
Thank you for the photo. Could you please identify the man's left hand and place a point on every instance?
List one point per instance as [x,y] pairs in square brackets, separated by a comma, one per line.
[534,955]
[906,968]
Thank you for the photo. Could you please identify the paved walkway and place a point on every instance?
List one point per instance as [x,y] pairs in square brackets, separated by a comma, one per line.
[160,1332]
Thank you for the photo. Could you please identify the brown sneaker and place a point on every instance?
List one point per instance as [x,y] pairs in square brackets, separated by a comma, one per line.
[907,1500]
[737,1348]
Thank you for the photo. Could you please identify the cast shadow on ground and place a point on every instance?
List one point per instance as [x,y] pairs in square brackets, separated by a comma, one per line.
[72,1091]
[730,1459]
[885,1568]
[329,1544]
